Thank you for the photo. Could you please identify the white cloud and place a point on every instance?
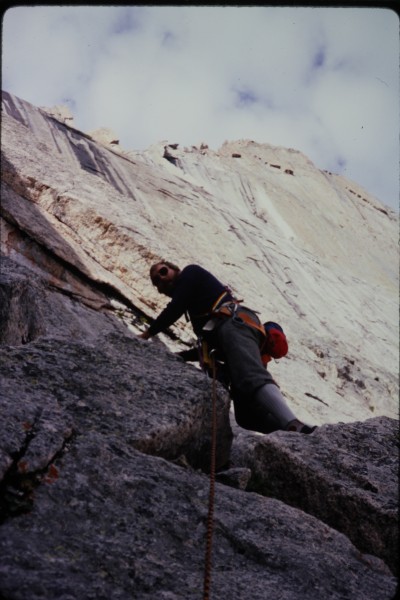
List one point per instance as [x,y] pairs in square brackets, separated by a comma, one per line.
[322,80]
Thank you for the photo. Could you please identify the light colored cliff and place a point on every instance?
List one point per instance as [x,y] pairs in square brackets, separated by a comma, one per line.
[306,248]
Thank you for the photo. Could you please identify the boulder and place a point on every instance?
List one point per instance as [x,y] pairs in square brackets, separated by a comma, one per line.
[346,475]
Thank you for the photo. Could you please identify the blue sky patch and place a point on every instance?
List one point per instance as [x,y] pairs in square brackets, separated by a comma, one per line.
[245,98]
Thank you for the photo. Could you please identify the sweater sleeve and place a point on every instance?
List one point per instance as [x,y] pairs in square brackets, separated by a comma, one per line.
[171,313]
[177,306]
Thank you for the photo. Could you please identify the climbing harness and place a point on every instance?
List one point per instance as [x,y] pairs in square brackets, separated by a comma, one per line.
[273,343]
[231,309]
[210,517]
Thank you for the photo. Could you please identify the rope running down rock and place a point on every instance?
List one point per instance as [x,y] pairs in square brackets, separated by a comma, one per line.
[210,518]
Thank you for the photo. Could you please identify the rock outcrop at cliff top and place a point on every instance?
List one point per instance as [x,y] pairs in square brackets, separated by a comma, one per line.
[105,438]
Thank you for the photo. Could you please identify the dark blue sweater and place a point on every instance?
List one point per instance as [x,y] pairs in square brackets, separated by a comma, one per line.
[195,292]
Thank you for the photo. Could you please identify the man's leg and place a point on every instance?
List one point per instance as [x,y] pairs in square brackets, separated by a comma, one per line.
[269,398]
[240,345]
[253,416]
[251,381]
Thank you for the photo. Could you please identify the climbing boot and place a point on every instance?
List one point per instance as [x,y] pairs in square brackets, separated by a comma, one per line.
[299,427]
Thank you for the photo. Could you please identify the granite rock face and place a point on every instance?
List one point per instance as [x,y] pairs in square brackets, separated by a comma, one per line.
[170,415]
[105,449]
[105,438]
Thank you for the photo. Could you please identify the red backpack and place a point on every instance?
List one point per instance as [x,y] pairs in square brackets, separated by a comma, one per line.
[275,344]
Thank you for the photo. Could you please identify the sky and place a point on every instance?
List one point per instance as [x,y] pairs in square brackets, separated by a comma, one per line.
[321,80]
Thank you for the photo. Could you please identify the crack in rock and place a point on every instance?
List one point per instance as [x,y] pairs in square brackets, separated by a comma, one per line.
[20,481]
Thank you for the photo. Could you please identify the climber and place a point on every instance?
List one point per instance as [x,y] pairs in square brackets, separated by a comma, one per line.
[258,402]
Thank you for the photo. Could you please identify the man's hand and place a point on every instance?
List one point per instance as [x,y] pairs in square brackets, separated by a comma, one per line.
[145,335]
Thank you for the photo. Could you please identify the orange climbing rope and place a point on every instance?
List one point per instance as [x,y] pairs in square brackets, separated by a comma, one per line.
[210,517]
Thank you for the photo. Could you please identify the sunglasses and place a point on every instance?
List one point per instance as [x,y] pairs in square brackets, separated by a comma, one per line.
[159,275]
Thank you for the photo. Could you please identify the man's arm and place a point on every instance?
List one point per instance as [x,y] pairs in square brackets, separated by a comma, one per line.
[174,309]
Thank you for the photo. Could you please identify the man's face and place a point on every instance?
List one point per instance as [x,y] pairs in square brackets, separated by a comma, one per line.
[163,278]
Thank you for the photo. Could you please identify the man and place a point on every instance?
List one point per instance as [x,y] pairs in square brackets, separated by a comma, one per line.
[237,338]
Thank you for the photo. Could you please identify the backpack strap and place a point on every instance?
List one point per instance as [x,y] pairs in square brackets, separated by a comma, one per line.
[219,301]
